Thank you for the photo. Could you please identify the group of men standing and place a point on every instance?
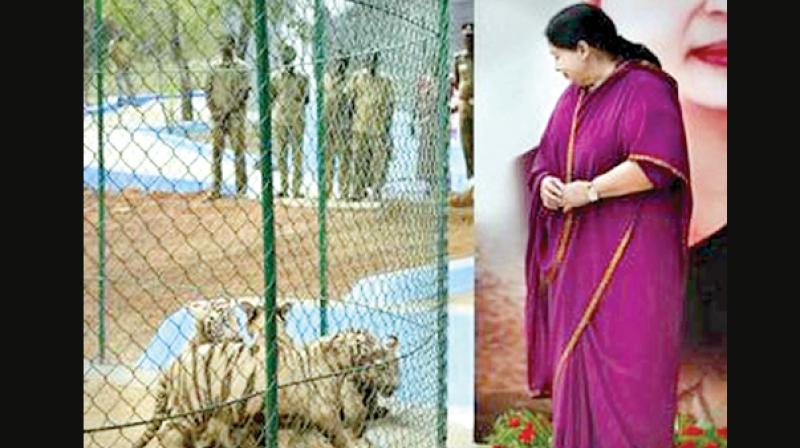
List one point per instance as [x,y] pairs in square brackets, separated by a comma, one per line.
[358,115]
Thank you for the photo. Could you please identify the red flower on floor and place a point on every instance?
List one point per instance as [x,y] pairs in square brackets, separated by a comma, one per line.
[693,431]
[528,434]
[723,432]
[688,444]
[513,422]
[711,445]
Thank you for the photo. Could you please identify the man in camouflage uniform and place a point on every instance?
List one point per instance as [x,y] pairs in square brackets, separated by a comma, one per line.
[289,94]
[121,54]
[338,118]
[227,89]
[464,84]
[373,101]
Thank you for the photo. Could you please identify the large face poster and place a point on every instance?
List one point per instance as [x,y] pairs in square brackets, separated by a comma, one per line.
[517,88]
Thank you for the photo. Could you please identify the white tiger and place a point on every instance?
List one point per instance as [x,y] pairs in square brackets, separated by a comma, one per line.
[217,321]
[379,373]
[211,374]
[223,319]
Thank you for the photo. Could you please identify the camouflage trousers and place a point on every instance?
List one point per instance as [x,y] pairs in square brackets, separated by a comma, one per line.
[288,137]
[371,154]
[124,85]
[338,152]
[231,126]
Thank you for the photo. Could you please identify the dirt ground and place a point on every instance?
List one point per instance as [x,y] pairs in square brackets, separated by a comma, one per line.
[164,249]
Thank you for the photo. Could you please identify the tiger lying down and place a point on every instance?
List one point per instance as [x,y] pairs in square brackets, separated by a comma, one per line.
[329,412]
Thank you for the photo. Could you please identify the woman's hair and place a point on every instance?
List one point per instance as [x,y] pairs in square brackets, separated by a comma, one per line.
[584,22]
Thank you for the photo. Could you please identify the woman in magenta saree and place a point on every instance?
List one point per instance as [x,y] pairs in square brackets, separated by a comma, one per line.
[606,258]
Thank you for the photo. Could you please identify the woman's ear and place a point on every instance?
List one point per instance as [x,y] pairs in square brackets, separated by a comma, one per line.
[583,49]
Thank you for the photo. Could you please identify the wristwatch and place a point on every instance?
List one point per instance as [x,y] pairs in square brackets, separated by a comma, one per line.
[591,192]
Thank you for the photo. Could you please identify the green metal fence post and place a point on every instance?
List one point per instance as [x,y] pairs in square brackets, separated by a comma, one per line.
[441,255]
[267,217]
[101,190]
[319,60]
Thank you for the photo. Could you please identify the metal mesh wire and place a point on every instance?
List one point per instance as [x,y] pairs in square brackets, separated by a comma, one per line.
[250,220]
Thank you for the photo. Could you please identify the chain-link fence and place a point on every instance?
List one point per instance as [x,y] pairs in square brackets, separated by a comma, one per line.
[264,223]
